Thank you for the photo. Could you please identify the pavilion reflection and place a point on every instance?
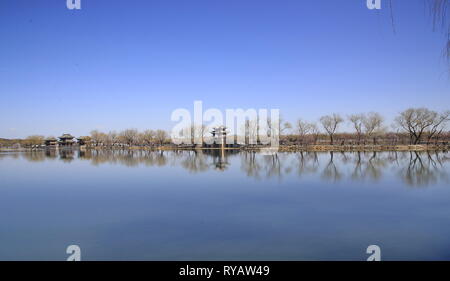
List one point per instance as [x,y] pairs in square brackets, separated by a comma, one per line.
[67,155]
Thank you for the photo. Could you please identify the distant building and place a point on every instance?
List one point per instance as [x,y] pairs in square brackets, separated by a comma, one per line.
[219,136]
[66,140]
[51,141]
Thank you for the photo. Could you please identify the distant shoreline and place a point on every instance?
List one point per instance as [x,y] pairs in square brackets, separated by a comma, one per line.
[281,148]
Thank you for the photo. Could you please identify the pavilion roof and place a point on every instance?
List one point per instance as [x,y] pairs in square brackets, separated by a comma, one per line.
[66,136]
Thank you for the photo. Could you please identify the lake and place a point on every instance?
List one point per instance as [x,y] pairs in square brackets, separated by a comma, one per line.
[186,205]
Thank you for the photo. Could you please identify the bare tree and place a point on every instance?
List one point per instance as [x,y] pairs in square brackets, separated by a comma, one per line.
[148,137]
[284,127]
[160,136]
[439,10]
[251,131]
[112,138]
[303,128]
[34,140]
[198,132]
[96,136]
[357,122]
[315,132]
[129,136]
[330,123]
[439,126]
[373,125]
[418,121]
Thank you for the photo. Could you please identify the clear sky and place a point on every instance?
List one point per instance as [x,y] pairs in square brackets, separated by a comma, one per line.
[128,64]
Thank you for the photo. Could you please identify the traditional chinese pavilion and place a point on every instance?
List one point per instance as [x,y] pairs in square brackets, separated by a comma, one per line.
[66,140]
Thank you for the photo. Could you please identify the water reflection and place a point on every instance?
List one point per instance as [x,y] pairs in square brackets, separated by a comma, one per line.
[425,169]
[413,168]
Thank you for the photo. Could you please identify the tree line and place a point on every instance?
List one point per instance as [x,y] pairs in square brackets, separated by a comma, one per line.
[129,137]
[412,126]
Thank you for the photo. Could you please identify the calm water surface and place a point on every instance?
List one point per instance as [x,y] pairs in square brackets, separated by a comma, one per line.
[140,205]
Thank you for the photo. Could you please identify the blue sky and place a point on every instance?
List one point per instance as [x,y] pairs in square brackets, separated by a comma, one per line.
[129,64]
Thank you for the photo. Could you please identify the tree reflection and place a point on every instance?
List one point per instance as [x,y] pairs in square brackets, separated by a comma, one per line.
[194,161]
[331,172]
[424,169]
[250,165]
[34,156]
[413,168]
[307,163]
